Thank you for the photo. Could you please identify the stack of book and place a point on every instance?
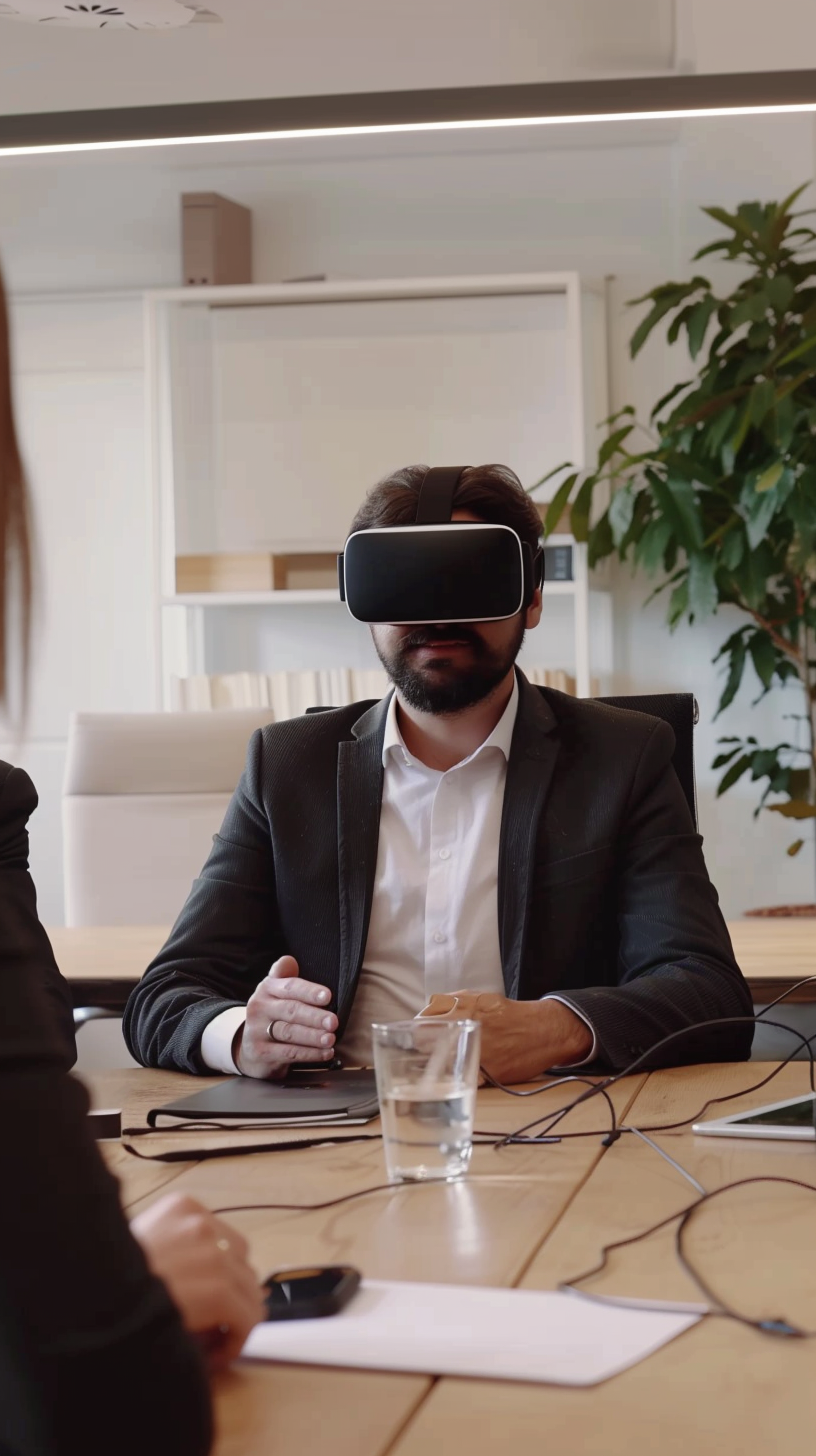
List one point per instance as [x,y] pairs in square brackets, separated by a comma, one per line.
[286,694]
[289,694]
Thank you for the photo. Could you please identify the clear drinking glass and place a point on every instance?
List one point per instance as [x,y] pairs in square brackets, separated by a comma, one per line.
[427,1073]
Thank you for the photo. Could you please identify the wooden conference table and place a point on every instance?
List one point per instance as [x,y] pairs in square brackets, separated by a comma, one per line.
[103,963]
[526,1217]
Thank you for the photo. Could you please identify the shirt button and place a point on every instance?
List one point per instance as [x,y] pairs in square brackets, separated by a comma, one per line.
[444,854]
[439,937]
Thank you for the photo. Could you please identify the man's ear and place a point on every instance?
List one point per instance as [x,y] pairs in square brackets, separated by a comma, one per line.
[532,616]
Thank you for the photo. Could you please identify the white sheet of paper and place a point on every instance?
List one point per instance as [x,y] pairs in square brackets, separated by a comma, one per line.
[494,1334]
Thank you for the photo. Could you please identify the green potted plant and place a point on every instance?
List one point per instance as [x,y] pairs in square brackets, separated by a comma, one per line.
[721,504]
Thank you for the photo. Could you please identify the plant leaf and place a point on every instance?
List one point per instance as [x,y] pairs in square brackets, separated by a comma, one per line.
[652,544]
[621,510]
[702,588]
[795,847]
[780,291]
[556,470]
[579,515]
[761,400]
[665,298]
[769,477]
[793,809]
[758,511]
[735,671]
[557,505]
[735,772]
[723,758]
[678,603]
[697,323]
[612,443]
[803,348]
[751,310]
[732,549]
[763,656]
[599,541]
[678,504]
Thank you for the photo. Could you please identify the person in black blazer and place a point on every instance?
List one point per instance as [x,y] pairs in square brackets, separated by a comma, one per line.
[94,1354]
[26,947]
[90,1323]
[609,933]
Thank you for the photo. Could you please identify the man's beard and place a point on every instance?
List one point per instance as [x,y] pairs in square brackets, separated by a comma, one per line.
[450,688]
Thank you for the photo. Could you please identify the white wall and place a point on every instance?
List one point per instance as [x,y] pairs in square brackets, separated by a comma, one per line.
[623,203]
[79,390]
[312,47]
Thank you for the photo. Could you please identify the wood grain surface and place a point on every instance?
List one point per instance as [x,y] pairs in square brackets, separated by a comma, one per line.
[721,1387]
[484,1230]
[774,954]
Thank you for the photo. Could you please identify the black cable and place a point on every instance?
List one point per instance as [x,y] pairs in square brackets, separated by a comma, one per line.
[611,1135]
[774,1326]
[530,1091]
[329,1202]
[345,1197]
[600,1088]
[807,981]
[199,1155]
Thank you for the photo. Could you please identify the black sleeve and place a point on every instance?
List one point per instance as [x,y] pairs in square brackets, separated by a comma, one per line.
[26,948]
[676,966]
[107,1353]
[222,944]
[111,1362]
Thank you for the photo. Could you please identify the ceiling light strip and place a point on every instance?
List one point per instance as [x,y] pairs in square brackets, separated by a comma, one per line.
[651,98]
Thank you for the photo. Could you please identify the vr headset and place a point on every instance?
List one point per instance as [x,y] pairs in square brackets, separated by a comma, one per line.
[438,570]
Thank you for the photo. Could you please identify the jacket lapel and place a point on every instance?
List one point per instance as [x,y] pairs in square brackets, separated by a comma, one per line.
[359,797]
[533,753]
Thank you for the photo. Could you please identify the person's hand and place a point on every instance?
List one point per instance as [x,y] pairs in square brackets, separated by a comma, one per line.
[520,1039]
[287,1021]
[203,1262]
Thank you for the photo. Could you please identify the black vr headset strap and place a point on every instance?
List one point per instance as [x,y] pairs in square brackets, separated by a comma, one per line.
[434,506]
[436,494]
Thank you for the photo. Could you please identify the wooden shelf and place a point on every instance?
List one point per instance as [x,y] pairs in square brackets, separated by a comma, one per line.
[294,598]
[297,598]
[561,314]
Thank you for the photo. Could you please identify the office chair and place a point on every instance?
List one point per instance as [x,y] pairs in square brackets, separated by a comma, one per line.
[143,795]
[681,713]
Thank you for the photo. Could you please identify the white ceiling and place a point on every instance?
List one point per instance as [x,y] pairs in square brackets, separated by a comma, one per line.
[314,47]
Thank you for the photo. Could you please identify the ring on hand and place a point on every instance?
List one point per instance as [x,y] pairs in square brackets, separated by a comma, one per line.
[270,1031]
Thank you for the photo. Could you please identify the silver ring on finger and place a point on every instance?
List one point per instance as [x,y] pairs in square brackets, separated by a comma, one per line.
[270,1031]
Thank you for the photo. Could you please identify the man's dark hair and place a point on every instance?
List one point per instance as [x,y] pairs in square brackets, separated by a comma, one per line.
[494,493]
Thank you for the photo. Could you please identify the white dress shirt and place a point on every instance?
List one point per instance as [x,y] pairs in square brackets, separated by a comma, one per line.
[434,923]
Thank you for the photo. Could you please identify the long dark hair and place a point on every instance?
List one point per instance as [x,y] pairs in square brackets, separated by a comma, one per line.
[16,556]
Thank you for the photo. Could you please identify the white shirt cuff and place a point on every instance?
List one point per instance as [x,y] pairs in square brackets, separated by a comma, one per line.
[217,1039]
[574,1009]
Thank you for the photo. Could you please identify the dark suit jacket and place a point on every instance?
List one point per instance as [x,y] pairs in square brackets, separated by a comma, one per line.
[83,1324]
[24,945]
[602,887]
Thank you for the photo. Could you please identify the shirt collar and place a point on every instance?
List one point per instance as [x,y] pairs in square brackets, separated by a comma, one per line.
[501,737]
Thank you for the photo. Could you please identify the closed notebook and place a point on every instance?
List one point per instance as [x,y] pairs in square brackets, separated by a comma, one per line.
[305,1097]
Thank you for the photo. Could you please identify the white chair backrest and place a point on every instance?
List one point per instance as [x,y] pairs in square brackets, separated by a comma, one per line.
[143,795]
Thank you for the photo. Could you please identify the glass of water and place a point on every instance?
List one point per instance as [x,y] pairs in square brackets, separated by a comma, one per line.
[427,1073]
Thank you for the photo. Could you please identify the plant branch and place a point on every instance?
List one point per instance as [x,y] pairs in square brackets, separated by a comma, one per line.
[778,640]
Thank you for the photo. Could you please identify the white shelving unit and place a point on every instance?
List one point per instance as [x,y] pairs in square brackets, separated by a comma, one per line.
[272,407]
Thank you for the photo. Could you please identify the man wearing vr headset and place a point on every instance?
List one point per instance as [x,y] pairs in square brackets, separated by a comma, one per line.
[471,846]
